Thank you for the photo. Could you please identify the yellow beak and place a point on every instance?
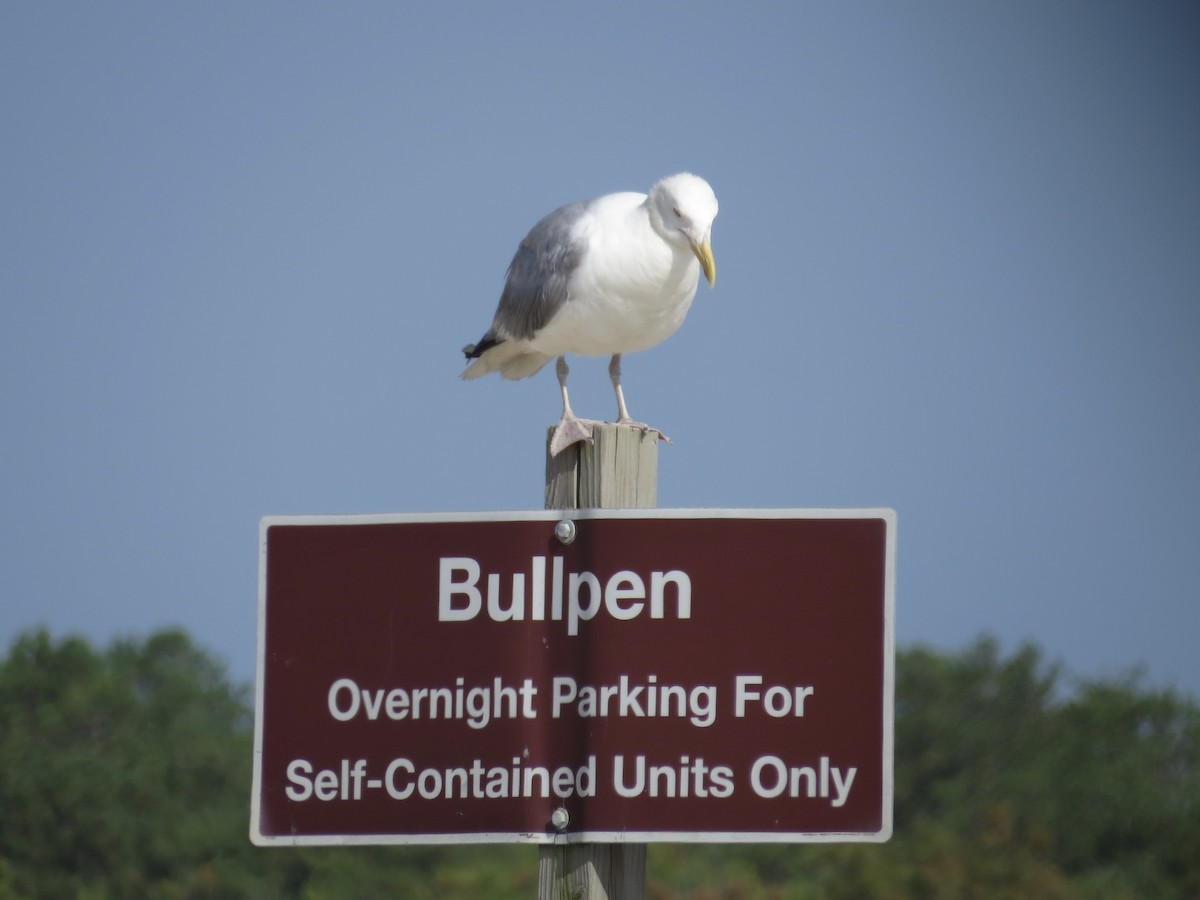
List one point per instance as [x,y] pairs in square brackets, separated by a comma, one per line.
[707,263]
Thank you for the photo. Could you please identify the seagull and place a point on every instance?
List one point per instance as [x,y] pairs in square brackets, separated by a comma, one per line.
[600,277]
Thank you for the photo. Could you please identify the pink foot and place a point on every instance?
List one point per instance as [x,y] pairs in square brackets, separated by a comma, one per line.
[570,430]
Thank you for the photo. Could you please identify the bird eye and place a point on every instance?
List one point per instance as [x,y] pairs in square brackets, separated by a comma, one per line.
[678,214]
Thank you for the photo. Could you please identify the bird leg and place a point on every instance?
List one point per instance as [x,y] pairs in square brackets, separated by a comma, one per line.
[623,418]
[570,429]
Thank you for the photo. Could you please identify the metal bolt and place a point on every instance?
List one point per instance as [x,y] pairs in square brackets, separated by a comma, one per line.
[565,531]
[560,819]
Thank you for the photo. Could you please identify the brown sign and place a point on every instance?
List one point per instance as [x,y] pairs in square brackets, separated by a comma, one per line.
[667,675]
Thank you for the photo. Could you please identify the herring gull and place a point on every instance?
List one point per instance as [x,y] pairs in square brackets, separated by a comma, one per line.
[600,277]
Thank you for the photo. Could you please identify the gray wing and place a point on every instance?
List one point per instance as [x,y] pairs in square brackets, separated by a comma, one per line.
[539,274]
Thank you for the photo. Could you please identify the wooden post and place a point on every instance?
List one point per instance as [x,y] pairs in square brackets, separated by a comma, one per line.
[618,470]
[592,872]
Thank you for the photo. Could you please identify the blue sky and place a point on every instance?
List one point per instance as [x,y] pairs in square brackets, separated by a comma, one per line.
[959,275]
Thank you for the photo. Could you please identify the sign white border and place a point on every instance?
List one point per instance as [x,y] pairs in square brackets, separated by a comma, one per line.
[588,837]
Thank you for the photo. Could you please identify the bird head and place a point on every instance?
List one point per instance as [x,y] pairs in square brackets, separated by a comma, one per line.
[682,207]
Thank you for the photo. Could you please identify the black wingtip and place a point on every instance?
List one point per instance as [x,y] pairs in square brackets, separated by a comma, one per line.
[474,351]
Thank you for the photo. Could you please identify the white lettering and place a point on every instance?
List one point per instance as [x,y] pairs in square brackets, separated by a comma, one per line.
[478,705]
[448,587]
[777,702]
[770,777]
[537,589]
[843,786]
[615,593]
[575,612]
[689,777]
[404,781]
[298,771]
[779,779]
[338,712]
[639,784]
[626,699]
[389,779]
[577,597]
[683,593]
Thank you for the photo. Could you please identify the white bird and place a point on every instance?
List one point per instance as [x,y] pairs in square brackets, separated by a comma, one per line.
[605,276]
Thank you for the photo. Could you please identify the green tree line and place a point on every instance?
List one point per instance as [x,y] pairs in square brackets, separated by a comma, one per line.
[125,773]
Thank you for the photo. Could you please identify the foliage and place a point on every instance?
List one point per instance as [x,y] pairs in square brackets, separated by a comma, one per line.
[126,774]
[119,771]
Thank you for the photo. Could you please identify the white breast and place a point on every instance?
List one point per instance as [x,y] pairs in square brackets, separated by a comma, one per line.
[631,291]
